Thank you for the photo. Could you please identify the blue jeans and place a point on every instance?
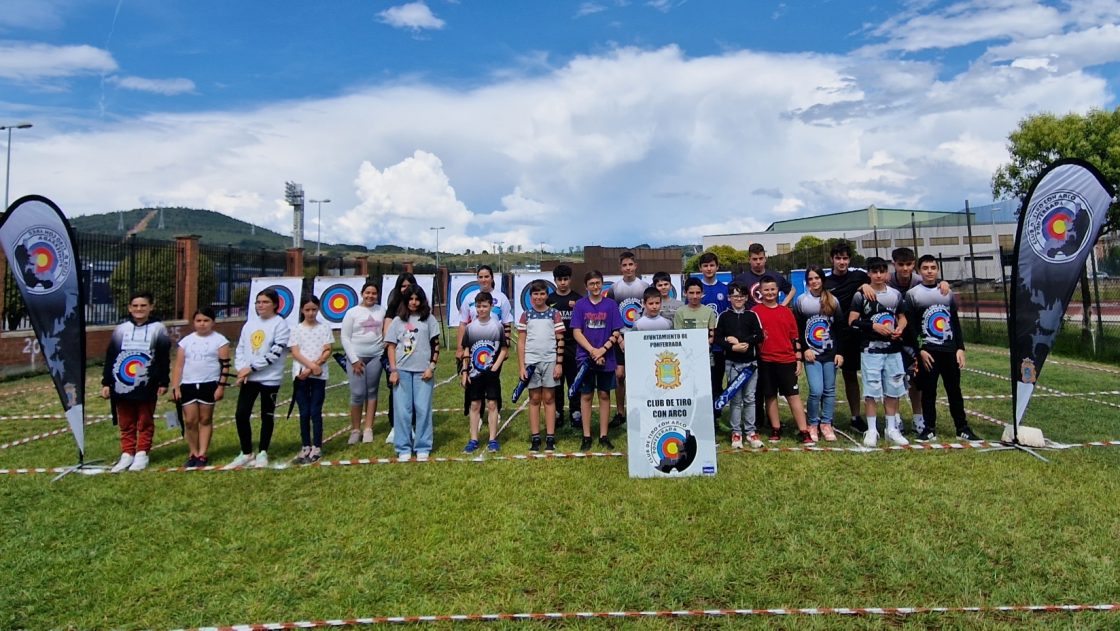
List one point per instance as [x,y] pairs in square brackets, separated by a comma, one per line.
[822,391]
[742,404]
[412,393]
[309,395]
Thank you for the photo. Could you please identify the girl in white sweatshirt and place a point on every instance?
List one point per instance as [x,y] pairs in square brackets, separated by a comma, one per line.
[260,369]
[364,344]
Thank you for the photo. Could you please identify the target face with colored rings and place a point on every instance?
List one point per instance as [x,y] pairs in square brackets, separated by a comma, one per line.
[936,323]
[132,367]
[43,257]
[287,300]
[886,319]
[671,446]
[336,301]
[1058,223]
[527,296]
[630,310]
[466,293]
[482,356]
[816,333]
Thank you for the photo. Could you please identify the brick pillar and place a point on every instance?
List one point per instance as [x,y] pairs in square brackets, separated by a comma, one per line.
[186,275]
[407,266]
[3,278]
[294,262]
[362,265]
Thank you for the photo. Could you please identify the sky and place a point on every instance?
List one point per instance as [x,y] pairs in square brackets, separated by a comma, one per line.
[540,124]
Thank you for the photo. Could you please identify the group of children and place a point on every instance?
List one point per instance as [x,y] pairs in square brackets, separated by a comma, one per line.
[900,332]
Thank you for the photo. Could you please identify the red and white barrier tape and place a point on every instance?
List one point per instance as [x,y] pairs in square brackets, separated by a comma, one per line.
[1043,389]
[1084,366]
[1004,397]
[677,613]
[918,447]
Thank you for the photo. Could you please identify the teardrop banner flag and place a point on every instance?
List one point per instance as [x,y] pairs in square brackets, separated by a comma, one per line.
[337,295]
[1058,225]
[39,244]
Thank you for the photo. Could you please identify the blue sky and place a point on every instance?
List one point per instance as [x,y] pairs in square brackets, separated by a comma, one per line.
[565,123]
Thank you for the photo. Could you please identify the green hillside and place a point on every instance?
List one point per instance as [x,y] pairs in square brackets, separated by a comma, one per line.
[214,228]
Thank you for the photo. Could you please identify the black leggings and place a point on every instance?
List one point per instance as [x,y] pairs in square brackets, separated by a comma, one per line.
[246,398]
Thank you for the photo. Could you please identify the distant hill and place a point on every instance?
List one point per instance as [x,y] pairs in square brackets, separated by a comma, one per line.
[214,228]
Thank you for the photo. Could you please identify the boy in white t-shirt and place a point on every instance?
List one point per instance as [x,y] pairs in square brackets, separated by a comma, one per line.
[541,329]
[651,318]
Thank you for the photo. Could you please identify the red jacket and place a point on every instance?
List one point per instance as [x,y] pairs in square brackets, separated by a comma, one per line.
[780,328]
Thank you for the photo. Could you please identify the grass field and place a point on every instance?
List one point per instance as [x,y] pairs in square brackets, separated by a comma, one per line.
[962,527]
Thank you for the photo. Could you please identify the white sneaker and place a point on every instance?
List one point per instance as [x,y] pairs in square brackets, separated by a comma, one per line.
[405,457]
[355,436]
[367,436]
[871,438]
[140,462]
[390,437]
[239,461]
[736,440]
[896,437]
[122,464]
[261,461]
[421,456]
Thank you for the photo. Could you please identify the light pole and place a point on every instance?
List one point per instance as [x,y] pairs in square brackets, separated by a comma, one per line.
[319,234]
[8,167]
[437,229]
[498,247]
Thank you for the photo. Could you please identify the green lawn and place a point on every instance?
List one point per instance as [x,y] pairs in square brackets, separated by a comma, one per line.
[773,529]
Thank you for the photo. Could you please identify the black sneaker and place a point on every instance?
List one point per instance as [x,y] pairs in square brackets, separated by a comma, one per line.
[585,444]
[859,424]
[926,435]
[577,421]
[550,443]
[605,443]
[535,443]
[966,434]
[201,461]
[618,421]
[191,462]
[559,416]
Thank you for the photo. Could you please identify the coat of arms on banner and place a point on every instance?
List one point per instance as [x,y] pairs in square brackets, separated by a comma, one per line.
[668,371]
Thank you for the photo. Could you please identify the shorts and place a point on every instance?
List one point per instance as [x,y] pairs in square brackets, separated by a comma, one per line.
[620,355]
[778,379]
[601,380]
[883,376]
[201,393]
[485,386]
[542,376]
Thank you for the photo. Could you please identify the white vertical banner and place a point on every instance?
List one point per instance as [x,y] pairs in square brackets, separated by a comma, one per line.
[389,281]
[463,288]
[288,288]
[670,430]
[337,295]
[521,298]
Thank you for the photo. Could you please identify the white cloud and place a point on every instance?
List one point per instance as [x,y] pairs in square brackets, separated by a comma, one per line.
[970,21]
[414,16]
[1067,51]
[627,146]
[22,61]
[31,14]
[589,8]
[167,87]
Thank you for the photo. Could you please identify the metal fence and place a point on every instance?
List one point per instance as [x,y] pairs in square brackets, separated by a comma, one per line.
[981,275]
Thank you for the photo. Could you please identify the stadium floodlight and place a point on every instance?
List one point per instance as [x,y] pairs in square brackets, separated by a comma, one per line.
[293,194]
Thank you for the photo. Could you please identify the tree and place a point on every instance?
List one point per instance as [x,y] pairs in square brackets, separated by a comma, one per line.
[729,257]
[1042,139]
[808,242]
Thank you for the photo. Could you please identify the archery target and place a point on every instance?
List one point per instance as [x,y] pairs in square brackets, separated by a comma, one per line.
[336,300]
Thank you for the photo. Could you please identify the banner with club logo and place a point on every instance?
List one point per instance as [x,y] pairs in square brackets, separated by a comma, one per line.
[39,244]
[389,281]
[521,298]
[288,288]
[1058,225]
[670,429]
[337,294]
